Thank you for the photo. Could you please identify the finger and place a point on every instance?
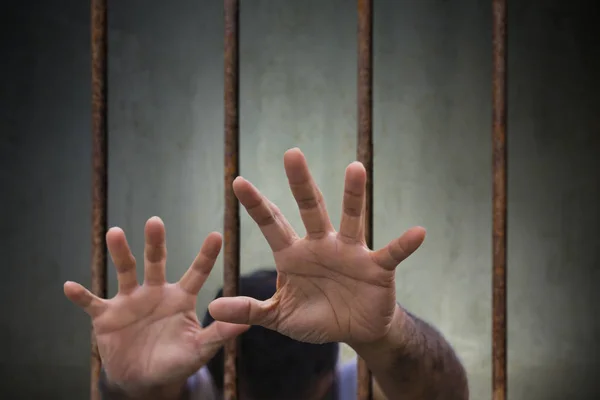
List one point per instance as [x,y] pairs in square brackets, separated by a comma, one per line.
[196,275]
[80,296]
[155,252]
[353,215]
[123,259]
[244,310]
[307,194]
[399,249]
[216,335]
[275,228]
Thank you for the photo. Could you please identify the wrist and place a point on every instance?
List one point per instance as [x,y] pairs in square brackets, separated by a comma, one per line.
[167,391]
[398,340]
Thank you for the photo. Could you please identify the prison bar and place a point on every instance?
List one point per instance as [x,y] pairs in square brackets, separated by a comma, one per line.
[99,170]
[231,254]
[499,202]
[364,147]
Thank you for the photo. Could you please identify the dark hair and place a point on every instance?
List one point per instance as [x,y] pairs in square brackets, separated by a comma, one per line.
[273,366]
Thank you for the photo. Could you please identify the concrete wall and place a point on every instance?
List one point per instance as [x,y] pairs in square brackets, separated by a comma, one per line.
[298,85]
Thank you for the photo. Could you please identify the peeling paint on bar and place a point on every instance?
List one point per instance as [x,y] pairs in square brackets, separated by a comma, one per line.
[365,145]
[499,212]
[99,169]
[231,253]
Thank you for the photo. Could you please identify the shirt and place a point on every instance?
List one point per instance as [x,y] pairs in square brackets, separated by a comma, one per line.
[201,386]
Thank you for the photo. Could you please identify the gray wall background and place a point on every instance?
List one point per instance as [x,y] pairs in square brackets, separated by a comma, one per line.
[298,88]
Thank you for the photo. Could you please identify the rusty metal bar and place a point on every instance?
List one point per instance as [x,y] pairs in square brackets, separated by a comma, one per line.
[99,36]
[231,255]
[499,121]
[365,146]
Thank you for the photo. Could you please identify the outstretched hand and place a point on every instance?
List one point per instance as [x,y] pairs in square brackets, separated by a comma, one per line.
[149,335]
[331,287]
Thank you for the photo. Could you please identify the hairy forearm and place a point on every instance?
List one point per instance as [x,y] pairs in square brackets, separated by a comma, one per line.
[415,362]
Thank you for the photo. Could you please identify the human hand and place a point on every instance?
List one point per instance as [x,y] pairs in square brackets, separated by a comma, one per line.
[331,287]
[149,336]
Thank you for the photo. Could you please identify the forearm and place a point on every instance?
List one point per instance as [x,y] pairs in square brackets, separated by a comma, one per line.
[415,362]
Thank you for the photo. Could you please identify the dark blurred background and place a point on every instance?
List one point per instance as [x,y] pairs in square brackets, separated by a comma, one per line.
[432,117]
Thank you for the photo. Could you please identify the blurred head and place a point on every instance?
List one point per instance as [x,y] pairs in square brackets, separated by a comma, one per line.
[273,366]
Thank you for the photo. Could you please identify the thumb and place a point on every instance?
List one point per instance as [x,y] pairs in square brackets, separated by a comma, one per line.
[399,249]
[215,335]
[243,310]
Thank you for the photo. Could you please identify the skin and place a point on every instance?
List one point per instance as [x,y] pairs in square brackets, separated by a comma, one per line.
[331,288]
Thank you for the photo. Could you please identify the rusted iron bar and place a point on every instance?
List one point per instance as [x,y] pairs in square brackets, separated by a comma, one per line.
[231,255]
[499,121]
[99,169]
[365,146]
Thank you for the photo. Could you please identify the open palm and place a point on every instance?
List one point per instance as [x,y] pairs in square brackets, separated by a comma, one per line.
[331,287]
[149,335]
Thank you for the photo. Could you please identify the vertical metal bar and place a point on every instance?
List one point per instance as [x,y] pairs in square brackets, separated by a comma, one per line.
[231,255]
[365,145]
[499,122]
[99,169]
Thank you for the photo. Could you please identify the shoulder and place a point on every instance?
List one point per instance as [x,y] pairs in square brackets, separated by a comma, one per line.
[346,380]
